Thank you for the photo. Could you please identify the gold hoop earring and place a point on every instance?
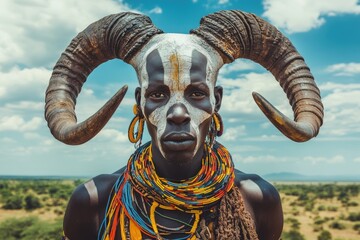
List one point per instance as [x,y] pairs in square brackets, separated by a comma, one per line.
[215,130]
[219,126]
[136,137]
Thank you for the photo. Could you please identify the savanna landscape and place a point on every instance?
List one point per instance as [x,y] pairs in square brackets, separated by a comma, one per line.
[33,209]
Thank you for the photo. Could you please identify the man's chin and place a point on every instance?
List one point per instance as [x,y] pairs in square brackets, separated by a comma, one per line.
[181,154]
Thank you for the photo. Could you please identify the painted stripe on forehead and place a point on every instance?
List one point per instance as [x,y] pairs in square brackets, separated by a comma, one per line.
[198,66]
[198,74]
[175,69]
[155,67]
[156,76]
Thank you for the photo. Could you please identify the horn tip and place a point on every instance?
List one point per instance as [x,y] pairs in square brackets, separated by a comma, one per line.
[124,88]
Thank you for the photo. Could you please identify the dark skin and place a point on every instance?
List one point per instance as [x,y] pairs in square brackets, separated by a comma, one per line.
[261,200]
[84,214]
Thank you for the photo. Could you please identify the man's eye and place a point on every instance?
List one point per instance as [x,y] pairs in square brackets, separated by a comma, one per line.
[157,95]
[197,94]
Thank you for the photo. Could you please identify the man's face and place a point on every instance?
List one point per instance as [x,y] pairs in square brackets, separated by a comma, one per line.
[177,98]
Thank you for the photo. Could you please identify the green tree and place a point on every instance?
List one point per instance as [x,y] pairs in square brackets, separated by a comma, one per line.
[337,225]
[12,229]
[13,202]
[292,235]
[5,193]
[30,228]
[354,217]
[325,235]
[32,202]
[294,223]
[43,231]
[327,191]
[343,197]
[356,227]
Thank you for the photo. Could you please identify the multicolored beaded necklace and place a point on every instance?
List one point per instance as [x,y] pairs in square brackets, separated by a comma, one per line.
[203,191]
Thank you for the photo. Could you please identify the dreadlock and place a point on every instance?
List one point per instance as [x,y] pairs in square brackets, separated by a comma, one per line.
[234,221]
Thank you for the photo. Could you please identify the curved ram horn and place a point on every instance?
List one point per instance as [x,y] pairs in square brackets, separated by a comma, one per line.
[236,34]
[115,36]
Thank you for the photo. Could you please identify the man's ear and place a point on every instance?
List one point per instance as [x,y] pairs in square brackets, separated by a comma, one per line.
[138,95]
[218,92]
[138,99]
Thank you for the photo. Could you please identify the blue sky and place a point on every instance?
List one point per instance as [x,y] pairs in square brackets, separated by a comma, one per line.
[35,32]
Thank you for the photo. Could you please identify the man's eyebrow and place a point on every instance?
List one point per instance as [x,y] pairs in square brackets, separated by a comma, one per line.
[154,86]
[199,84]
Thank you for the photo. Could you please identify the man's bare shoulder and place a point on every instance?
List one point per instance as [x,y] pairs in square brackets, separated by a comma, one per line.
[86,206]
[263,202]
[93,190]
[255,187]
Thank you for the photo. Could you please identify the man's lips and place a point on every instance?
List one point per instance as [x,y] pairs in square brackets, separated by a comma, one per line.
[178,137]
[178,141]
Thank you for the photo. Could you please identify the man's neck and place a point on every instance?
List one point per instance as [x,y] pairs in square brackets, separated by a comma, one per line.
[177,171]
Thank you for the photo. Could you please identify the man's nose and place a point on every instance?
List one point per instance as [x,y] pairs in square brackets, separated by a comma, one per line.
[178,114]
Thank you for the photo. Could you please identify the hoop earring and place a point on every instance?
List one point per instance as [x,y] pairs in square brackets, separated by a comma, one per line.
[136,137]
[215,130]
[219,126]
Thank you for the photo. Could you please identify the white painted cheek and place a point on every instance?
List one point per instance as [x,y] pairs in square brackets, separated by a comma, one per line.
[210,83]
[198,116]
[158,119]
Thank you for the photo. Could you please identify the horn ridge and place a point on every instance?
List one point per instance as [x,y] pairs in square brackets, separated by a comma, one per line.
[115,36]
[235,34]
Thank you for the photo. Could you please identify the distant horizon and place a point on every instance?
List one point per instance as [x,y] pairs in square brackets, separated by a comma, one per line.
[282,176]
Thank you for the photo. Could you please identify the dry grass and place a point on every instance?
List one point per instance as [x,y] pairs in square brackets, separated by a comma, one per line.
[327,210]
[43,214]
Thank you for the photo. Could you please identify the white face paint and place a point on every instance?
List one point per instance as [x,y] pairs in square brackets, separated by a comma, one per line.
[176,56]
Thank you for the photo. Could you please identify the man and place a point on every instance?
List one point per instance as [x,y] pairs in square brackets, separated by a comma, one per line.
[182,184]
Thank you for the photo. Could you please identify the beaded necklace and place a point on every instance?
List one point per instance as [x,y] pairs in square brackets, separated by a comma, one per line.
[203,191]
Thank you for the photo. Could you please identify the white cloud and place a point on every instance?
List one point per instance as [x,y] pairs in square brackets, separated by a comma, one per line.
[339,87]
[19,124]
[337,159]
[25,105]
[113,135]
[234,133]
[342,109]
[223,2]
[267,138]
[237,93]
[304,15]
[357,160]
[33,136]
[215,4]
[344,69]
[27,84]
[34,33]
[7,140]
[261,159]
[156,10]
[237,66]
